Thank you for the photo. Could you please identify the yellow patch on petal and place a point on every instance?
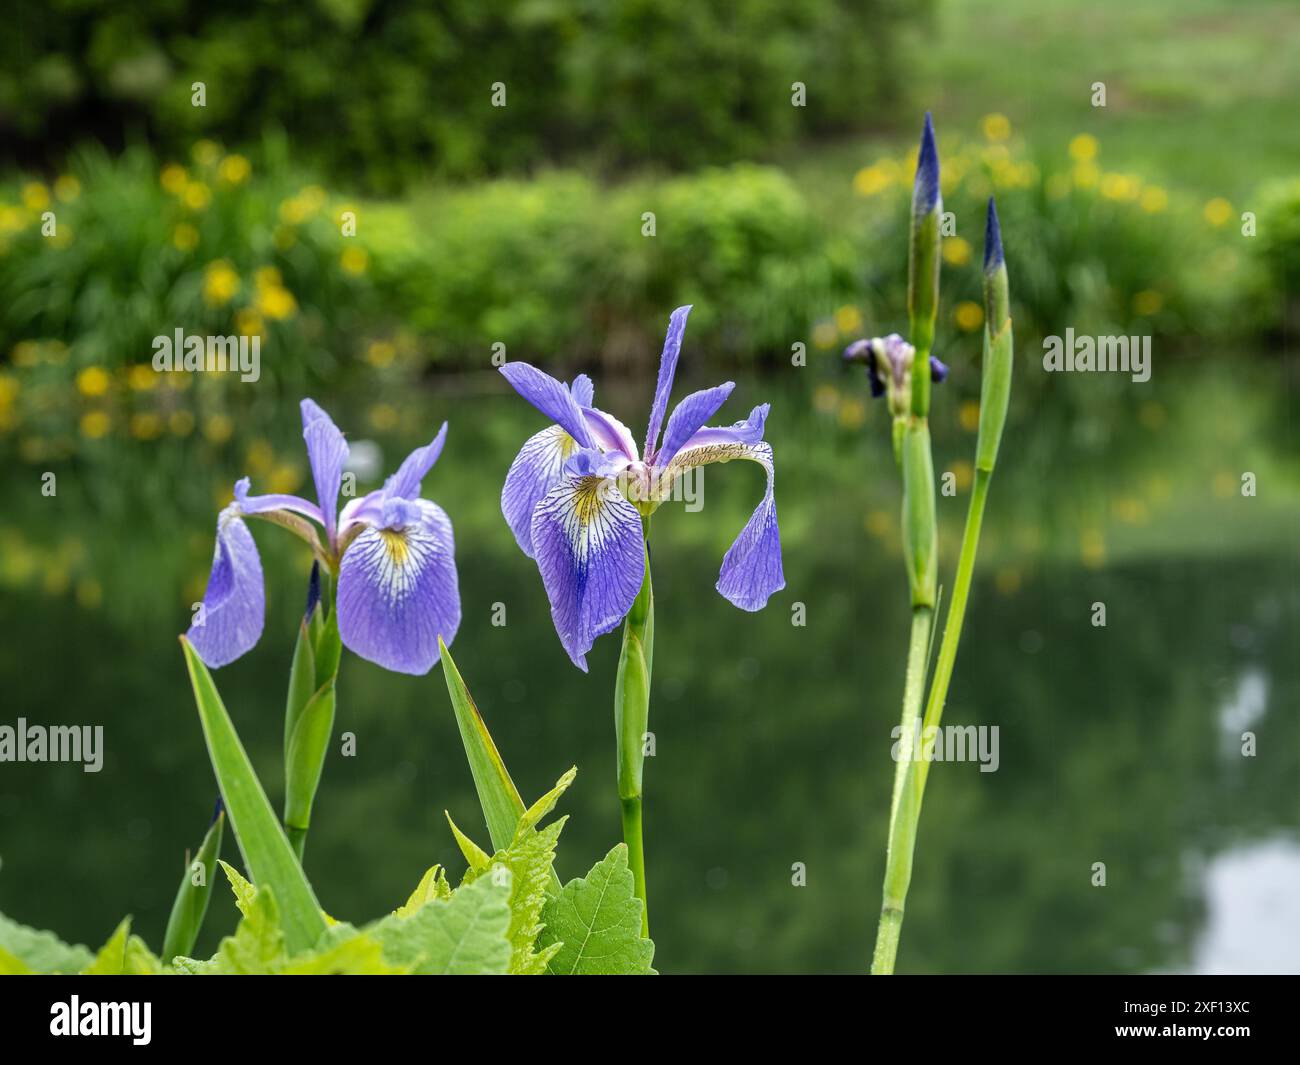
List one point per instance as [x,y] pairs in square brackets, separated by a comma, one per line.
[395,545]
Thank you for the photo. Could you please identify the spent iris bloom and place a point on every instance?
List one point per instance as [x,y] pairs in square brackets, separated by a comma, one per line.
[889,368]
[392,552]
[576,493]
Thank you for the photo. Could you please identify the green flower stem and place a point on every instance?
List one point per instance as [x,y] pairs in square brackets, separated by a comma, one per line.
[956,616]
[631,717]
[902,820]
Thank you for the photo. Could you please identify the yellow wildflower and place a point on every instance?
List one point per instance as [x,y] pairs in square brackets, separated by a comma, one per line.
[93,381]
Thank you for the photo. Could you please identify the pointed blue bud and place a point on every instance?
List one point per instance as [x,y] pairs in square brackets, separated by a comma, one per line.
[313,591]
[925,191]
[938,371]
[992,240]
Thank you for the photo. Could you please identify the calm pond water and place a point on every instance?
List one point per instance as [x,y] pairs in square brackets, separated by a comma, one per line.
[1119,744]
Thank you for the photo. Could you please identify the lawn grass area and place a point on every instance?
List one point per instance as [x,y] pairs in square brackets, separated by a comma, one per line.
[1201,94]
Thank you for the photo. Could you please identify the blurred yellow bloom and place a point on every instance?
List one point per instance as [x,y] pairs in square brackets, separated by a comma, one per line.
[354,260]
[36,197]
[383,416]
[180,422]
[871,180]
[249,323]
[56,352]
[1119,187]
[380,353]
[1130,510]
[956,251]
[1086,175]
[146,425]
[94,424]
[968,415]
[234,169]
[825,335]
[12,219]
[26,353]
[878,523]
[286,477]
[996,127]
[1154,199]
[968,315]
[197,196]
[220,283]
[276,302]
[1007,580]
[89,593]
[848,320]
[259,457]
[293,211]
[1092,548]
[185,237]
[1148,301]
[1152,415]
[853,412]
[9,389]
[173,179]
[67,188]
[205,152]
[93,381]
[1218,211]
[1083,148]
[267,277]
[962,474]
[142,378]
[826,399]
[218,427]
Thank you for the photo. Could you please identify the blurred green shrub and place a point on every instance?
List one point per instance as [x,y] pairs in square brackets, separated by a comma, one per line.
[561,266]
[390,91]
[116,252]
[1278,237]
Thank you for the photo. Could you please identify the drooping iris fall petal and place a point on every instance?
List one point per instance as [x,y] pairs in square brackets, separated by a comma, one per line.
[398,589]
[591,553]
[234,604]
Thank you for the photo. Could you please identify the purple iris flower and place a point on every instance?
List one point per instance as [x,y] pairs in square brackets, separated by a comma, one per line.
[392,551]
[576,493]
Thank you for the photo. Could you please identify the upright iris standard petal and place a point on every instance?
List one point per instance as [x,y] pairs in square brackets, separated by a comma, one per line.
[667,371]
[751,568]
[234,604]
[398,590]
[537,469]
[688,416]
[609,434]
[327,451]
[405,483]
[582,390]
[591,553]
[550,397]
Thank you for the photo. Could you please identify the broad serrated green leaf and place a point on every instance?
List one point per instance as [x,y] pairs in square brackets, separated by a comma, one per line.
[258,945]
[343,951]
[111,958]
[464,934]
[475,856]
[528,863]
[31,950]
[191,904]
[596,923]
[267,854]
[433,885]
[244,891]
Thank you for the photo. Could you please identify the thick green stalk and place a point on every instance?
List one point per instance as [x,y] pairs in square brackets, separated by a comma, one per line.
[631,717]
[902,825]
[952,627]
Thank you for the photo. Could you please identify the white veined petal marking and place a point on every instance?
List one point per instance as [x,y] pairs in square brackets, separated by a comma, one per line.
[394,559]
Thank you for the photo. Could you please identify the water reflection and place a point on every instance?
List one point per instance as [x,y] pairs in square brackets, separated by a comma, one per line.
[1119,745]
